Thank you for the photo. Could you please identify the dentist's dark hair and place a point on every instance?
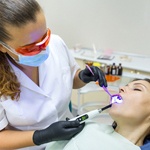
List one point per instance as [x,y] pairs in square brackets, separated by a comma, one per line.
[15,13]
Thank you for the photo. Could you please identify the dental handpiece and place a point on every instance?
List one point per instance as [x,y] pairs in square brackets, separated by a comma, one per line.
[89,115]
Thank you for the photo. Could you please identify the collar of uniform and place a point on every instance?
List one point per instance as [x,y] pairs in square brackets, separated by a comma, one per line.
[26,81]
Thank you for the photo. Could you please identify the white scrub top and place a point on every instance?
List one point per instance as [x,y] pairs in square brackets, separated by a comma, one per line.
[95,136]
[40,106]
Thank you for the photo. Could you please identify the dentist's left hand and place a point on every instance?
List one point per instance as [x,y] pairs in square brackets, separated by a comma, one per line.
[86,76]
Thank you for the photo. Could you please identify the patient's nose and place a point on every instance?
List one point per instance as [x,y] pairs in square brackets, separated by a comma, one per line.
[121,89]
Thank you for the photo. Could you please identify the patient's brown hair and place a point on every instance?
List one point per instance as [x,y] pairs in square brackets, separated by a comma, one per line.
[114,124]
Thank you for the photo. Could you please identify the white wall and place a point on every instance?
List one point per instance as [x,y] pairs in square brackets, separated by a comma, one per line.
[119,25]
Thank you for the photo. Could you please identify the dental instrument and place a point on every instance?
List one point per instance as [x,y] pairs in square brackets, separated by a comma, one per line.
[113,98]
[90,69]
[91,114]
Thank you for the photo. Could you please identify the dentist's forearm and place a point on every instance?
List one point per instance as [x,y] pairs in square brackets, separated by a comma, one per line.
[10,139]
[77,82]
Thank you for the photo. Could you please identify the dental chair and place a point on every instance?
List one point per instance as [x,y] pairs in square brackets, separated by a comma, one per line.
[146,145]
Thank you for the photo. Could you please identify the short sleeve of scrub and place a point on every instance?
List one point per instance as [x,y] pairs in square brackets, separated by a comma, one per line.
[3,119]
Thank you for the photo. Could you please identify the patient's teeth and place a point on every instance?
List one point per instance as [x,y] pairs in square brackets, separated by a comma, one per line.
[116,99]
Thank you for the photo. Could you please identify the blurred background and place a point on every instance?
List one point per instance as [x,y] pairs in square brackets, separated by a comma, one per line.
[116,25]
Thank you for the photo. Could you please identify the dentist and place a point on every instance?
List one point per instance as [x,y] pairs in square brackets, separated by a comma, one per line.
[37,74]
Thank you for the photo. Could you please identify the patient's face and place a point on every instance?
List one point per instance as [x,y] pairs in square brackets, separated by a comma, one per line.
[136,103]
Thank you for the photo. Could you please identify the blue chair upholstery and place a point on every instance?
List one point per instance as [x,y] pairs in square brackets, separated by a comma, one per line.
[146,145]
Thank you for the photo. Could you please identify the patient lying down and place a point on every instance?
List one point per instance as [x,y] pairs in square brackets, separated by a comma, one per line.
[130,128]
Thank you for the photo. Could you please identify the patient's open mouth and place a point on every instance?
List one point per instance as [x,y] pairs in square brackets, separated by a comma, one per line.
[116,99]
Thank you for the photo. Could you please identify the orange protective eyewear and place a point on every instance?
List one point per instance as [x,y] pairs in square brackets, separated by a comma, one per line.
[35,48]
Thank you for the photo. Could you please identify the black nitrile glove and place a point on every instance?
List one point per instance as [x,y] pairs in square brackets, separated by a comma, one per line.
[61,130]
[86,76]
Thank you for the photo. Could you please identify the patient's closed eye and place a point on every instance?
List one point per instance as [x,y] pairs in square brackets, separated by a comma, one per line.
[137,89]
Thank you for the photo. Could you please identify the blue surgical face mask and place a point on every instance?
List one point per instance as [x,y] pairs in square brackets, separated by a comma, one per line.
[35,60]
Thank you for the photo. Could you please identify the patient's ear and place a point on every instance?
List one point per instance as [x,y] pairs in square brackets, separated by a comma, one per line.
[2,49]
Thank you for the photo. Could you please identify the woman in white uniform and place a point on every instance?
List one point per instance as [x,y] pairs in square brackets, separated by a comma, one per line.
[37,74]
[130,130]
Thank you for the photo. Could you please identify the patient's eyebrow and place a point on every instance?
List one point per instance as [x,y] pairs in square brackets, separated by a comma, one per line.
[141,85]
[138,84]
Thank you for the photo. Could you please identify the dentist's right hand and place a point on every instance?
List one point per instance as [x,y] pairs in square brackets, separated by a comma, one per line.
[61,130]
